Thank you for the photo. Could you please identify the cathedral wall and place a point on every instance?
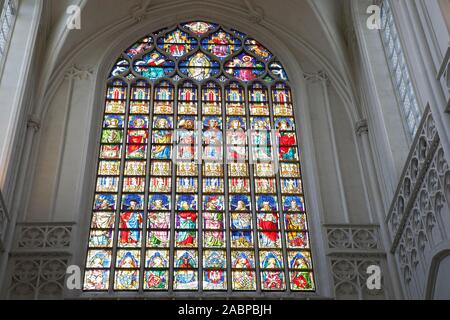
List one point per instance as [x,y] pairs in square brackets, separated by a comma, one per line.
[45,180]
[68,142]
[63,161]
[350,169]
[416,209]
[428,57]
[388,137]
[13,93]
[331,192]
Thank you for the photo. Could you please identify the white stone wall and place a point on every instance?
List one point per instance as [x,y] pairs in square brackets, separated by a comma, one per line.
[425,39]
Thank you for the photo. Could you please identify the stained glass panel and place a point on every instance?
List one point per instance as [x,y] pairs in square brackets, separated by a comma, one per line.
[244,67]
[199,66]
[140,47]
[221,44]
[120,67]
[199,183]
[177,43]
[258,49]
[154,66]
[199,27]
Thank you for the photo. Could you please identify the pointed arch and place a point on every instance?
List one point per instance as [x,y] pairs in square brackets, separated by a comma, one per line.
[199,183]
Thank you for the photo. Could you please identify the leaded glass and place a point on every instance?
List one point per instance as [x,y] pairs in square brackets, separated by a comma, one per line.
[399,69]
[177,43]
[221,44]
[244,67]
[199,184]
[199,66]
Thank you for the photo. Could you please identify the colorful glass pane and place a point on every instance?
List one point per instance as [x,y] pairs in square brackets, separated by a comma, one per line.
[120,67]
[157,259]
[158,239]
[156,280]
[221,44]
[278,71]
[272,280]
[258,49]
[238,33]
[302,281]
[244,67]
[143,45]
[186,280]
[177,43]
[101,238]
[199,27]
[96,280]
[199,66]
[158,220]
[244,280]
[154,66]
[126,280]
[128,259]
[214,280]
[199,223]
[98,259]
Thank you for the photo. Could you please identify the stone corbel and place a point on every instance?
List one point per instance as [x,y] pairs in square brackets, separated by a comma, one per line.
[34,123]
[362,127]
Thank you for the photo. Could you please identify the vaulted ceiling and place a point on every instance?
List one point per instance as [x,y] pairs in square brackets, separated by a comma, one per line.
[313,23]
[312,30]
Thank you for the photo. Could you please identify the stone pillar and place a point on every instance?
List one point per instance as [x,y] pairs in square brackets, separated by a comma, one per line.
[372,181]
[318,86]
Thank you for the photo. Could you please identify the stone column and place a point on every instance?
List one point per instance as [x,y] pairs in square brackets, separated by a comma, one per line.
[362,131]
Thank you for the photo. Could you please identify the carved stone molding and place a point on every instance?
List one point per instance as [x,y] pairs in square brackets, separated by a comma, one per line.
[362,127]
[348,237]
[316,77]
[419,217]
[350,276]
[34,123]
[47,237]
[37,277]
[39,260]
[417,166]
[75,72]
[351,250]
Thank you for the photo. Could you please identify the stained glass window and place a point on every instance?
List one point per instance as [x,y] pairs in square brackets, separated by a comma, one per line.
[8,13]
[399,70]
[199,184]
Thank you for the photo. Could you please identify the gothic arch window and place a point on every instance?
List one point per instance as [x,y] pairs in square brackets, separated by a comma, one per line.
[199,183]
[399,70]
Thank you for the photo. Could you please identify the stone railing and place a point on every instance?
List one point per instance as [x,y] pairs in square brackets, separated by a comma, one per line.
[4,221]
[38,261]
[351,250]
[352,237]
[419,217]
